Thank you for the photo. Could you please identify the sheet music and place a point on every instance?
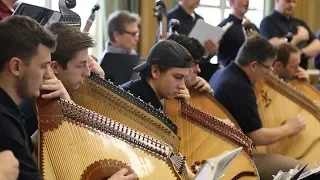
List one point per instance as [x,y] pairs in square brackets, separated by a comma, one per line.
[293,174]
[214,167]
[203,31]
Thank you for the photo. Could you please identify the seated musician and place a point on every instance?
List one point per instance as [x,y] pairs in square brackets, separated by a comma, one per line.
[123,33]
[233,88]
[9,166]
[162,76]
[71,64]
[24,70]
[197,51]
[287,63]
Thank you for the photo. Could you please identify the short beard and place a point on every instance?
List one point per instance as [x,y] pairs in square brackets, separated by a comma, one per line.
[22,87]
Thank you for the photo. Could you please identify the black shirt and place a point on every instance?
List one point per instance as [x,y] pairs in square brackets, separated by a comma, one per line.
[277,25]
[144,90]
[186,20]
[233,89]
[232,40]
[14,137]
[29,116]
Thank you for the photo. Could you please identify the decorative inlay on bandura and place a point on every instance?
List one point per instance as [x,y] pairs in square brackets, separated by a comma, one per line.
[104,169]
[216,126]
[292,93]
[134,100]
[84,117]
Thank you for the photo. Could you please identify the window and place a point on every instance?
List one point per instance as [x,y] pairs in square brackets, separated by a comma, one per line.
[214,11]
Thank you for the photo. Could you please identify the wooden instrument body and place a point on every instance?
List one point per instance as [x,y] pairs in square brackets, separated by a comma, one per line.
[104,98]
[207,103]
[306,88]
[278,102]
[76,143]
[201,143]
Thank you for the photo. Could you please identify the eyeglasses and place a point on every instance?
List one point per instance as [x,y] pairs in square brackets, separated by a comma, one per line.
[267,67]
[133,34]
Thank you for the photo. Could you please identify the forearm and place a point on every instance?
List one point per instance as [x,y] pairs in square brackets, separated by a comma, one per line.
[266,136]
[313,49]
[277,41]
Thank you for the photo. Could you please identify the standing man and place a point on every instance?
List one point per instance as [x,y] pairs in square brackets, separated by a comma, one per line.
[196,50]
[233,88]
[184,12]
[235,36]
[281,26]
[120,53]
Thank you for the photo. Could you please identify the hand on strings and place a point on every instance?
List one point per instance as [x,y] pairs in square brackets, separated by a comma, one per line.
[55,87]
[302,74]
[202,85]
[123,174]
[184,95]
[95,67]
[9,166]
[211,47]
[295,125]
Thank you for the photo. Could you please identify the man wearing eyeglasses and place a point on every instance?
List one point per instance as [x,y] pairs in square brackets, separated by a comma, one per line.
[233,88]
[123,32]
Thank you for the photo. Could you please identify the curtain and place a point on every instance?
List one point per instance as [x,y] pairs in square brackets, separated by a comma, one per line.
[106,8]
[307,10]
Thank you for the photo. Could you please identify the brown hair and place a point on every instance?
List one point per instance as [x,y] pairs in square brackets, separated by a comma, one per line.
[117,21]
[284,50]
[20,37]
[69,42]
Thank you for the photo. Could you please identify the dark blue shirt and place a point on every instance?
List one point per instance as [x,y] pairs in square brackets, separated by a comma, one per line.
[277,25]
[233,89]
[231,41]
[187,22]
[144,90]
[14,137]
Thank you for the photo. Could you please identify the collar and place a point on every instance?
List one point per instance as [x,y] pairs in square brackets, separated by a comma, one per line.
[151,95]
[241,74]
[7,102]
[280,16]
[234,19]
[112,49]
